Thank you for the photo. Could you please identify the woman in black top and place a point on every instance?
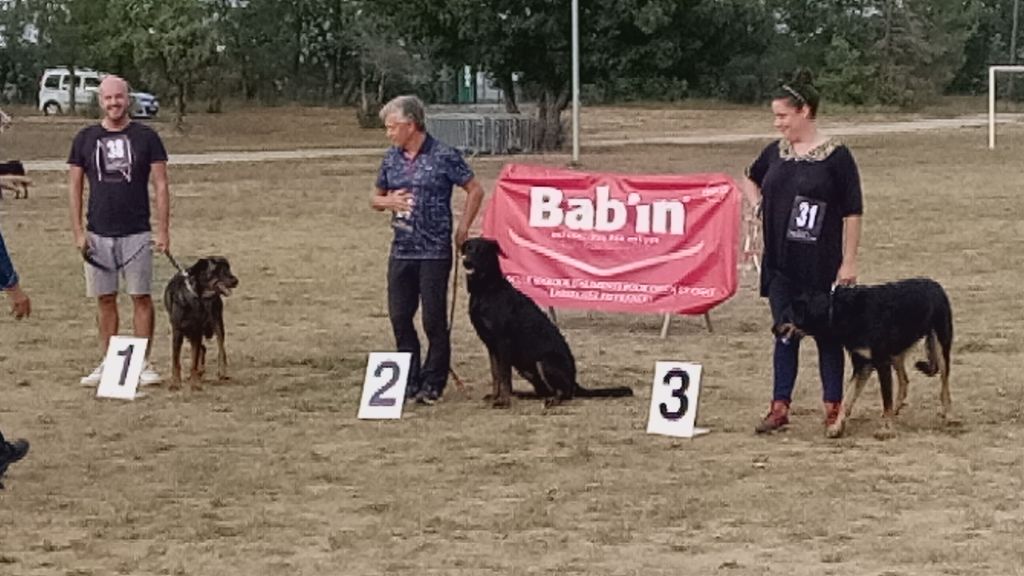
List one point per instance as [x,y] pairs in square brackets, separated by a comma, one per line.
[809,188]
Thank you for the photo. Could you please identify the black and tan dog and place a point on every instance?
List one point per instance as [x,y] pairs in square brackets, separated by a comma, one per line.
[878,325]
[196,311]
[518,334]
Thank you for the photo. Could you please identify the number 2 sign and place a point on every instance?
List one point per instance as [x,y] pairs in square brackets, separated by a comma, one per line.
[384,386]
[674,396]
[122,367]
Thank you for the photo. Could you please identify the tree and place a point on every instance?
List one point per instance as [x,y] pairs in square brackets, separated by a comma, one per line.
[174,41]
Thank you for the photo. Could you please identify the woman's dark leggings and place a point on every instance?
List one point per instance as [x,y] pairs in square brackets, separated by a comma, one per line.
[831,359]
[830,365]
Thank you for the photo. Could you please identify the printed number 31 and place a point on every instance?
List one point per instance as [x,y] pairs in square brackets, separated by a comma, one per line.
[808,216]
[680,393]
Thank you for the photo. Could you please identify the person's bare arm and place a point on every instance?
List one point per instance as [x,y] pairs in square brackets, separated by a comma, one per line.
[474,198]
[851,243]
[76,179]
[163,206]
[393,200]
[21,306]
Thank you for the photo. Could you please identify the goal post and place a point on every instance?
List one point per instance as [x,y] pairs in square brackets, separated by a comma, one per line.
[992,71]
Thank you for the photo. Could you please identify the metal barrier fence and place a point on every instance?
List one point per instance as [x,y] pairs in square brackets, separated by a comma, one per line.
[474,133]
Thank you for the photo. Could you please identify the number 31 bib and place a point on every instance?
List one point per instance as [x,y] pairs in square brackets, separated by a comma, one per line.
[805,220]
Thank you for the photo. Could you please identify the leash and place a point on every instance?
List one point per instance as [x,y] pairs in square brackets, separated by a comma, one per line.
[175,263]
[87,255]
[459,384]
[183,272]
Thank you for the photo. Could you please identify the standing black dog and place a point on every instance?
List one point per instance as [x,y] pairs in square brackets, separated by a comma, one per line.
[878,325]
[518,334]
[196,311]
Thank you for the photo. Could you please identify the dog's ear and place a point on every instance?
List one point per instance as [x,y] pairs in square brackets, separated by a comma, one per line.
[494,247]
[199,268]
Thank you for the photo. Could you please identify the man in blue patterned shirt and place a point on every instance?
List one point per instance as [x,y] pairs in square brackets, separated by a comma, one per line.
[415,184]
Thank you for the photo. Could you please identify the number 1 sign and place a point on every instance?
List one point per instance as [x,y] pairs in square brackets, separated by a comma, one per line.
[384,386]
[674,397]
[122,367]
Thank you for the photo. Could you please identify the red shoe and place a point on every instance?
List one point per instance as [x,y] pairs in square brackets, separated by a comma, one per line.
[776,419]
[835,419]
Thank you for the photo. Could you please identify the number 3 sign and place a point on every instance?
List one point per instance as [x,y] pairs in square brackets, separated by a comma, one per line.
[674,396]
[122,367]
[384,385]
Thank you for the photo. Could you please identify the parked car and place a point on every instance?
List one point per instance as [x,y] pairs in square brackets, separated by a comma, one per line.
[55,92]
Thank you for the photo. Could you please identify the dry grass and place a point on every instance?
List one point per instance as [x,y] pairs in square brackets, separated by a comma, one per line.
[272,473]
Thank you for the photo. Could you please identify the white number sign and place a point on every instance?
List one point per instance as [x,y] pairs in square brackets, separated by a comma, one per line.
[674,396]
[122,367]
[384,386]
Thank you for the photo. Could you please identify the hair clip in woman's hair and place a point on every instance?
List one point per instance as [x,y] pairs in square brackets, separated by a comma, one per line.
[796,95]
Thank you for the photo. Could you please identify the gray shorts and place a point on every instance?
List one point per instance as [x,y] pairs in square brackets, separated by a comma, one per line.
[127,256]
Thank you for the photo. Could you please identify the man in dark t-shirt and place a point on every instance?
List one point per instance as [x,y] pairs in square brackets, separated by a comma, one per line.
[119,158]
[415,183]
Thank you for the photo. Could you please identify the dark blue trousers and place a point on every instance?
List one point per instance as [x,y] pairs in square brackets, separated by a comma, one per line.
[410,283]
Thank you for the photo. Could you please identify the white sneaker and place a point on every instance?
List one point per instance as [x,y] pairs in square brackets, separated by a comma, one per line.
[94,378]
[149,376]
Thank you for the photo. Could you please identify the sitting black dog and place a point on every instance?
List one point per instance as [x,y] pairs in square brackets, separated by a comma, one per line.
[518,334]
[878,325]
[196,311]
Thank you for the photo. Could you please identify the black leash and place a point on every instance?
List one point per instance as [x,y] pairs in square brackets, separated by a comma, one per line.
[175,263]
[459,384]
[91,260]
[87,256]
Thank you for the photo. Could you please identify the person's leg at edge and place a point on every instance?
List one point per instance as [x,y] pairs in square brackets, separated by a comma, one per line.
[403,300]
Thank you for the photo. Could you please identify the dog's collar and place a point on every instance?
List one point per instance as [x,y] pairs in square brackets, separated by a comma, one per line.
[191,287]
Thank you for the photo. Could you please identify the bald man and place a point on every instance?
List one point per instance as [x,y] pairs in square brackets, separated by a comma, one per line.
[120,158]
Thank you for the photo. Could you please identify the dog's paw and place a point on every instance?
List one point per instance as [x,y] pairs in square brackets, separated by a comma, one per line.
[174,386]
[901,406]
[501,402]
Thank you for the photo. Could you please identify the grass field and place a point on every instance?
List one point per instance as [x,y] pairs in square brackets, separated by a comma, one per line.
[271,473]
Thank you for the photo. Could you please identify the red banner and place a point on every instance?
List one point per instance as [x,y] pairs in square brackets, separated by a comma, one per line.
[617,242]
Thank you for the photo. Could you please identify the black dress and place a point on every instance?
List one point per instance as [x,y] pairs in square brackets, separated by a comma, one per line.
[805,199]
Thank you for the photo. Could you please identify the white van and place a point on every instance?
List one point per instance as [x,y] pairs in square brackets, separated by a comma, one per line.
[55,92]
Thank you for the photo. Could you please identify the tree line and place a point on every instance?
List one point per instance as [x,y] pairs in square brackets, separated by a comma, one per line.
[343,52]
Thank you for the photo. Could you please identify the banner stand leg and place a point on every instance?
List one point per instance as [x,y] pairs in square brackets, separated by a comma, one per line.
[668,319]
[551,314]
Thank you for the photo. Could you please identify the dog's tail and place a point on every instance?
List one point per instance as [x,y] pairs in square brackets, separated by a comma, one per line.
[939,341]
[613,392]
[931,366]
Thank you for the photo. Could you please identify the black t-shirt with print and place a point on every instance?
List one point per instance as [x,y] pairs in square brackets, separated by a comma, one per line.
[805,199]
[117,165]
